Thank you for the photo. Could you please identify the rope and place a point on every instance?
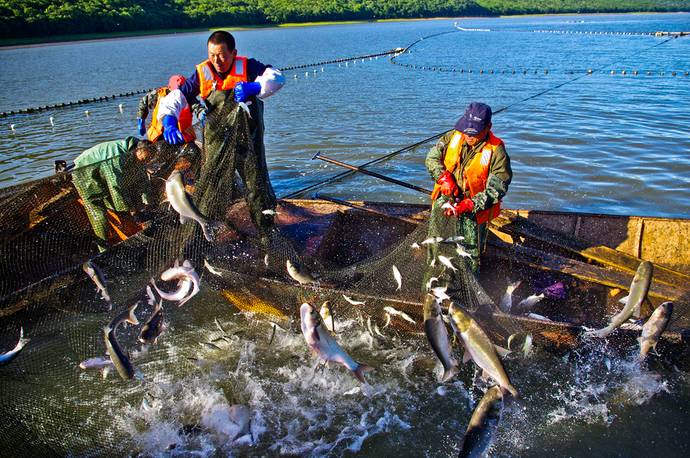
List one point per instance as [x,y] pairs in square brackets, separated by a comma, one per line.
[144,91]
[383,158]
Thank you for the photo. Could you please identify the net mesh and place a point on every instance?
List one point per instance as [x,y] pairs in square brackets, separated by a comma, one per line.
[51,407]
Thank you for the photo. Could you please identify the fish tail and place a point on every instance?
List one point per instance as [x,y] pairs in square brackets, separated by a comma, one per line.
[512,390]
[210,229]
[132,318]
[450,372]
[360,370]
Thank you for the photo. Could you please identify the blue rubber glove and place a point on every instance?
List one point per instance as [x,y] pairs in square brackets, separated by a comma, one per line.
[202,118]
[245,90]
[142,126]
[171,133]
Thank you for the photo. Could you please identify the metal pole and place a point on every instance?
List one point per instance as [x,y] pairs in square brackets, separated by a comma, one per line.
[373,174]
[366,209]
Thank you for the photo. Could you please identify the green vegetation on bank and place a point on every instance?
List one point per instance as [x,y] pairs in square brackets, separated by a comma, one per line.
[42,18]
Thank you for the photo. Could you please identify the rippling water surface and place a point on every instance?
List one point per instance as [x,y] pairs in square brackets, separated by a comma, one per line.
[599,143]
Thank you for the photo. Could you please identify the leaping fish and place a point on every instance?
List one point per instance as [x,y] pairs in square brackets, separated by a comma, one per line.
[483,424]
[397,277]
[182,203]
[638,292]
[118,356]
[324,346]
[437,335]
[5,358]
[654,327]
[479,348]
[432,240]
[299,275]
[352,301]
[96,275]
[507,300]
[327,316]
[399,313]
[212,269]
[446,262]
[153,326]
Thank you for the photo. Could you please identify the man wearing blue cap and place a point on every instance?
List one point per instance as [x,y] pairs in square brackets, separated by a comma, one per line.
[472,172]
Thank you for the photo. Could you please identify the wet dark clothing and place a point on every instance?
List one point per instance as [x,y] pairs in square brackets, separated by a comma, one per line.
[234,142]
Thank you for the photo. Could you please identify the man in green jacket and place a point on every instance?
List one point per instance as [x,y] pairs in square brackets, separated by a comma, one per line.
[472,172]
[112,175]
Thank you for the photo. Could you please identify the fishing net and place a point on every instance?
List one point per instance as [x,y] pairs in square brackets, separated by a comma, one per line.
[52,407]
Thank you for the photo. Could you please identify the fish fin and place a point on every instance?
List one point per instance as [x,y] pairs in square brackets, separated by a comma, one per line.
[450,372]
[210,229]
[361,369]
[502,352]
[132,318]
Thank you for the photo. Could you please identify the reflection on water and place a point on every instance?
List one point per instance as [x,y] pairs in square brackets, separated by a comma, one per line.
[611,144]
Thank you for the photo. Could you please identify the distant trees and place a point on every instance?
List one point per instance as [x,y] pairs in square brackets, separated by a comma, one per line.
[23,18]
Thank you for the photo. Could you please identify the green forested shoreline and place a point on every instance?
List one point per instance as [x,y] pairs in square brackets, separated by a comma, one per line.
[42,18]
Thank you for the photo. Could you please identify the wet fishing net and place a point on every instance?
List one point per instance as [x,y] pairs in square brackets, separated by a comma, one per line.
[53,226]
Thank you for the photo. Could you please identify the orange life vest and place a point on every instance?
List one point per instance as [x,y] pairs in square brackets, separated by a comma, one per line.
[476,173]
[210,81]
[184,121]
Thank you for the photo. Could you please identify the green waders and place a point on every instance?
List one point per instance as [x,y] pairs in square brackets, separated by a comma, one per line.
[234,142]
[474,243]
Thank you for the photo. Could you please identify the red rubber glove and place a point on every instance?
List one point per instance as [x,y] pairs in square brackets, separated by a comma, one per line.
[464,206]
[448,185]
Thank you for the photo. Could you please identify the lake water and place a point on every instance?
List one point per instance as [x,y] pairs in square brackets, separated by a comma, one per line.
[602,143]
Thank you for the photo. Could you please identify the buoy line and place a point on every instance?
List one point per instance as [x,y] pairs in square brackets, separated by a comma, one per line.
[144,91]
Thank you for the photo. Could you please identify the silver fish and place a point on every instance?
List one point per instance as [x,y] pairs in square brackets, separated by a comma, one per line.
[454,239]
[323,345]
[352,301]
[299,275]
[460,250]
[269,212]
[99,362]
[96,275]
[638,292]
[654,327]
[118,356]
[530,301]
[479,348]
[212,269]
[437,335]
[536,316]
[415,246]
[187,279]
[182,203]
[483,424]
[398,277]
[446,262]
[432,240]
[327,316]
[401,314]
[431,281]
[507,300]
[440,293]
[153,326]
[5,358]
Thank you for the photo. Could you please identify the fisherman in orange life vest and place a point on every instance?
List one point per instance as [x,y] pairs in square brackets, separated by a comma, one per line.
[187,155]
[472,172]
[250,81]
